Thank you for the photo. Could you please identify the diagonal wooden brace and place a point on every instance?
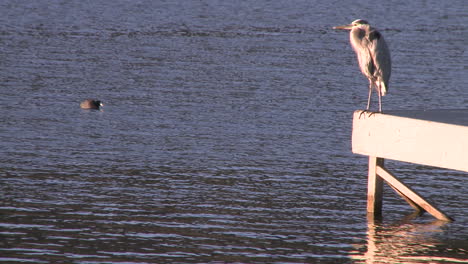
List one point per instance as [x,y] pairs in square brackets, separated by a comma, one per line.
[411,194]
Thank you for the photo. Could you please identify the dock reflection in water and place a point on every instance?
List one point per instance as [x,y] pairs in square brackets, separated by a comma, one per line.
[408,242]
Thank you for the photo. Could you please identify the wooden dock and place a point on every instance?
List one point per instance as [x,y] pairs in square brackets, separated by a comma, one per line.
[433,137]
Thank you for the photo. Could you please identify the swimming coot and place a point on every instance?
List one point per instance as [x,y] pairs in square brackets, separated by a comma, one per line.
[91,104]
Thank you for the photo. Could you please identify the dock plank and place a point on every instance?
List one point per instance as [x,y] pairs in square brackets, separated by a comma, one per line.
[433,137]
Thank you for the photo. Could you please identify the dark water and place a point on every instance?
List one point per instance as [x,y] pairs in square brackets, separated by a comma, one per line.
[225,135]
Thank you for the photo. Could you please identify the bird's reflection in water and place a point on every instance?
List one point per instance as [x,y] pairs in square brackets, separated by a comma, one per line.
[406,241]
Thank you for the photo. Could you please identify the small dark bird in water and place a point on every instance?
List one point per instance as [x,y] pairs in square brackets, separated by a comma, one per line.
[91,104]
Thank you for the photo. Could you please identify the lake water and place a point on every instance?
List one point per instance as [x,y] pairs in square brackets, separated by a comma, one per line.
[225,135]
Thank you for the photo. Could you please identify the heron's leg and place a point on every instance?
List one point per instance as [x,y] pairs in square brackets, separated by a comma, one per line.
[370,93]
[380,99]
[368,101]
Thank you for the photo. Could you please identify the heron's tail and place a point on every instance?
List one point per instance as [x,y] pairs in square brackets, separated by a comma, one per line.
[383,88]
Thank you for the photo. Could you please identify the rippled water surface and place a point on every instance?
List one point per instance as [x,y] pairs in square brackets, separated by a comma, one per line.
[225,135]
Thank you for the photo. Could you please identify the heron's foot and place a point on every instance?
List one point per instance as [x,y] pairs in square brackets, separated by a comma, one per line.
[368,113]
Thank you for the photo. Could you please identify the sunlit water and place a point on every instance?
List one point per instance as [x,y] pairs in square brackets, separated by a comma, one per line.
[225,135]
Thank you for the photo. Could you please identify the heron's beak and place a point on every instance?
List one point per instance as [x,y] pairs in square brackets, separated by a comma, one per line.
[343,27]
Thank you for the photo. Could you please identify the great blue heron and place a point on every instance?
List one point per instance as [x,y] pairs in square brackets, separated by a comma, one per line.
[373,56]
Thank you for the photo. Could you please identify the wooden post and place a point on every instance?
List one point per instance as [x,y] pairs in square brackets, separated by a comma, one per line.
[374,187]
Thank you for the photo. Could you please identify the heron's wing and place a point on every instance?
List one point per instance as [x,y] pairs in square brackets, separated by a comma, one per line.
[380,56]
[361,45]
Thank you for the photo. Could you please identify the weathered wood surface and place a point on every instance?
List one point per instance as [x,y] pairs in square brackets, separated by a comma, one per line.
[435,138]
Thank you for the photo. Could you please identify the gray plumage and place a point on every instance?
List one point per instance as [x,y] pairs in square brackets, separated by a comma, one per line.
[373,56]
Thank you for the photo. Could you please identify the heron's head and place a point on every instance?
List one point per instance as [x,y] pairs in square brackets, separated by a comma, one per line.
[355,23]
